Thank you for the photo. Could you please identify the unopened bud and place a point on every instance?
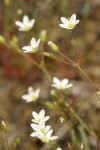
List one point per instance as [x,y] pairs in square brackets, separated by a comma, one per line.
[53,46]
[50,55]
[7,2]
[98,94]
[4,127]
[19,11]
[43,35]
[2,40]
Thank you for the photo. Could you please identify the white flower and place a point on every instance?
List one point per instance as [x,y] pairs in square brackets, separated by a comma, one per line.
[61,119]
[61,84]
[33,47]
[38,118]
[32,95]
[69,23]
[26,24]
[59,148]
[42,131]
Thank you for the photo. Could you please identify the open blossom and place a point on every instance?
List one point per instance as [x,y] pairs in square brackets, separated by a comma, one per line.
[61,84]
[42,131]
[44,134]
[33,47]
[32,95]
[38,118]
[26,24]
[69,23]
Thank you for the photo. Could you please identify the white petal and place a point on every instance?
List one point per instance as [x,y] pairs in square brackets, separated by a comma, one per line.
[30,89]
[63,25]
[64,20]
[18,23]
[33,43]
[37,92]
[28,51]
[35,115]
[64,82]
[56,81]
[77,21]
[27,48]
[53,137]
[46,118]
[25,20]
[59,148]
[38,42]
[42,113]
[35,126]
[27,98]
[34,120]
[69,85]
[54,85]
[47,128]
[31,23]
[34,134]
[73,17]
[49,133]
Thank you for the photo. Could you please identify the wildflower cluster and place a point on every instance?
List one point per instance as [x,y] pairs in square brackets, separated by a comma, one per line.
[42,131]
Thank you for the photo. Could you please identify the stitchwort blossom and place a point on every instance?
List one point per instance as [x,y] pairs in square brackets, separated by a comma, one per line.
[38,118]
[32,95]
[61,84]
[42,131]
[26,24]
[69,23]
[33,47]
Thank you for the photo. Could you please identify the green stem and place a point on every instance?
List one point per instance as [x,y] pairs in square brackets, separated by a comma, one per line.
[7,139]
[74,44]
[87,77]
[71,61]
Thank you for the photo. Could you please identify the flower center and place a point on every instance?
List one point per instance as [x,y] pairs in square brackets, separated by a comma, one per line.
[71,26]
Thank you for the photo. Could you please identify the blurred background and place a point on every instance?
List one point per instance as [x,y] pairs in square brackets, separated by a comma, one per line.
[17,72]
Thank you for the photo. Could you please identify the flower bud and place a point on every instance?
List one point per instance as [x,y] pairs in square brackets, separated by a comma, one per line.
[53,46]
[4,127]
[2,40]
[98,94]
[43,35]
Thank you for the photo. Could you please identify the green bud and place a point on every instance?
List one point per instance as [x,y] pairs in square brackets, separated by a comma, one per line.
[50,55]
[2,40]
[19,11]
[98,94]
[43,35]
[7,2]
[4,127]
[53,46]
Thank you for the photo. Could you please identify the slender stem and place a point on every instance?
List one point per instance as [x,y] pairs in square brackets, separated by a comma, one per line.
[68,63]
[87,77]
[46,73]
[74,44]
[7,139]
[43,146]
[42,56]
[71,61]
